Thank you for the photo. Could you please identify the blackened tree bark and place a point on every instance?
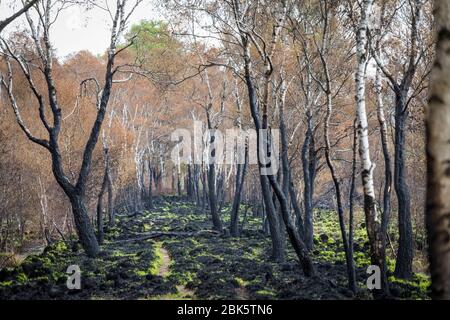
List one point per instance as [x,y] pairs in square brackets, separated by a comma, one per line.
[83,225]
[110,189]
[293,234]
[141,185]
[179,180]
[240,177]
[204,190]
[297,209]
[309,165]
[189,183]
[282,192]
[150,185]
[212,196]
[100,220]
[273,220]
[438,158]
[198,197]
[294,237]
[405,253]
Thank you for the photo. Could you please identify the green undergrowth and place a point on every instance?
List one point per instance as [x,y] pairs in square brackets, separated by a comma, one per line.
[328,247]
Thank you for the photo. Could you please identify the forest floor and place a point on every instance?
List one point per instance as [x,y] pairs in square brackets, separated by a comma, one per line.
[195,265]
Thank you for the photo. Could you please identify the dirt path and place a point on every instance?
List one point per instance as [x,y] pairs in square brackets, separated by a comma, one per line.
[165,264]
[183,292]
[242,293]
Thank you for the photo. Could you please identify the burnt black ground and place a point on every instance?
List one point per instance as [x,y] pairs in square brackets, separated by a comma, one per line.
[203,266]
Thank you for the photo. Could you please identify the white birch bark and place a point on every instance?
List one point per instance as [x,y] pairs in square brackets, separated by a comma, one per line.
[362,128]
[373,223]
[438,158]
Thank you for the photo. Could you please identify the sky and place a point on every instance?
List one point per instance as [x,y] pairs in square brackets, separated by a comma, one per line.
[77,29]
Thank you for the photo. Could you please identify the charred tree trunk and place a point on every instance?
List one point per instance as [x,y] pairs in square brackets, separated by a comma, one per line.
[282,194]
[309,171]
[83,226]
[212,196]
[277,239]
[100,231]
[297,209]
[150,186]
[100,220]
[179,180]
[111,211]
[204,192]
[403,266]
[142,191]
[294,237]
[189,188]
[240,177]
[271,213]
[198,196]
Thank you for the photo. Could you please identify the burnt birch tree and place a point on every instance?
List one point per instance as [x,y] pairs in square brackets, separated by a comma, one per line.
[373,223]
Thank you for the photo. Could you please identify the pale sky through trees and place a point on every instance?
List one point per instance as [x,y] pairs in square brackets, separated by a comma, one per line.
[77,29]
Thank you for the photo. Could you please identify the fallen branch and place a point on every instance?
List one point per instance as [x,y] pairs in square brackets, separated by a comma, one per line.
[157,234]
